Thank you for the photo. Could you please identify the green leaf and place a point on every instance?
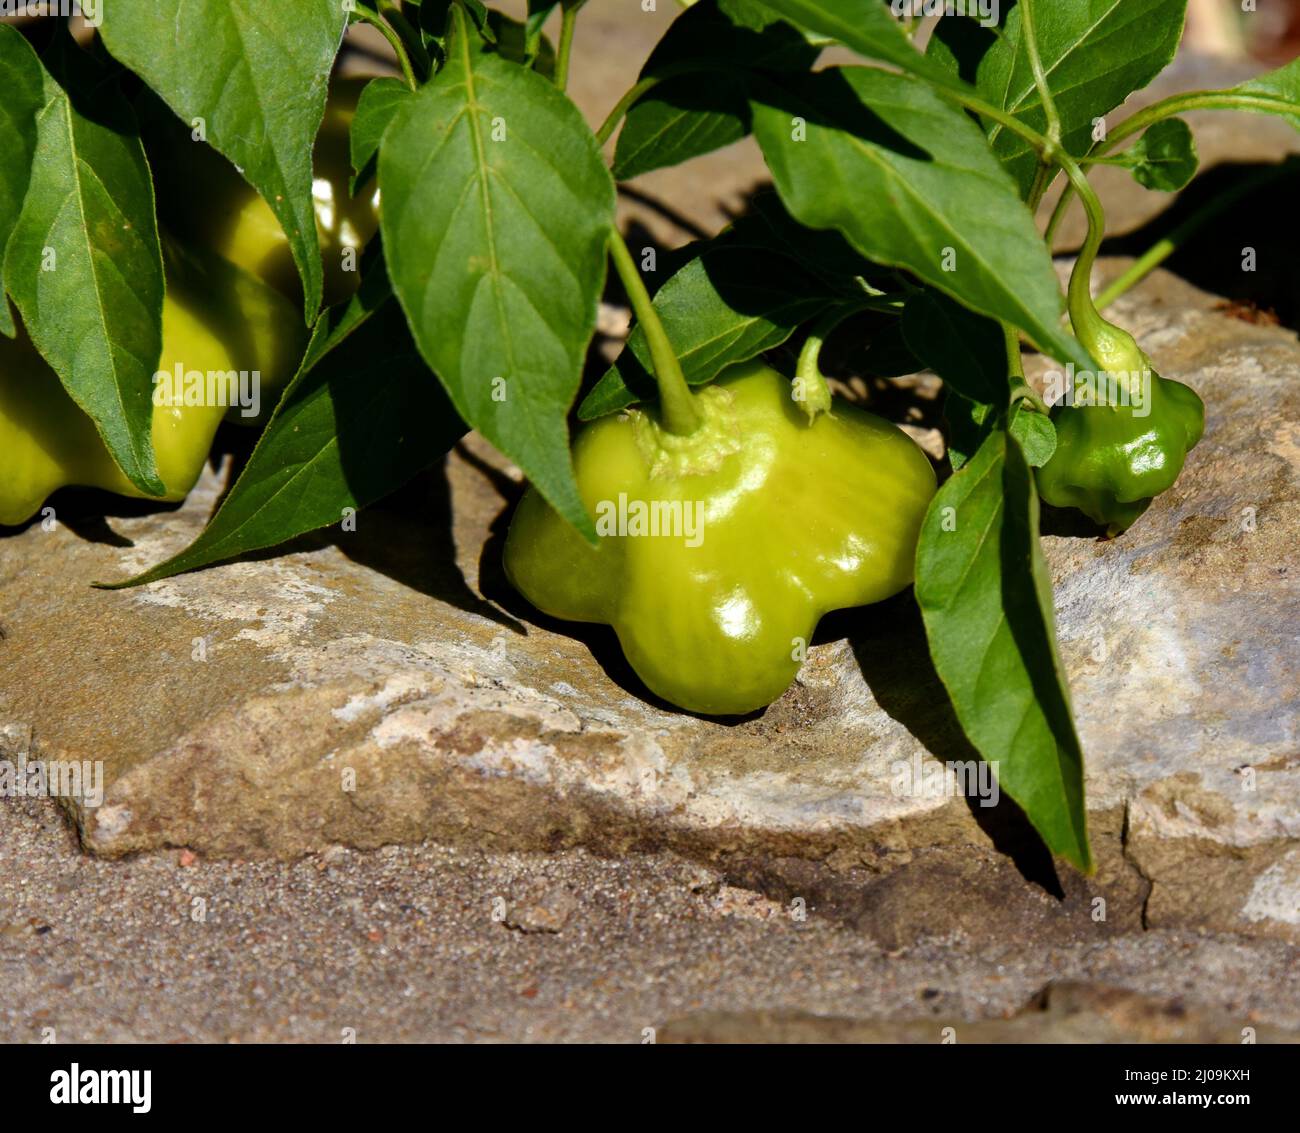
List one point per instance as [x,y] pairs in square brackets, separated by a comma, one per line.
[379,103]
[539,11]
[866,27]
[910,181]
[968,351]
[1163,158]
[968,424]
[686,115]
[986,598]
[496,213]
[1275,92]
[362,417]
[679,119]
[84,264]
[1095,53]
[435,18]
[256,74]
[1034,432]
[21,78]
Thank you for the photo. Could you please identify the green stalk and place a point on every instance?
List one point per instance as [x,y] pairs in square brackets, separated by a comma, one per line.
[568,25]
[391,10]
[808,372]
[394,41]
[1040,82]
[677,404]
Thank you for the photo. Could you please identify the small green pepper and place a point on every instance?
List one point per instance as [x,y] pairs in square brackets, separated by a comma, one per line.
[1113,458]
[722,549]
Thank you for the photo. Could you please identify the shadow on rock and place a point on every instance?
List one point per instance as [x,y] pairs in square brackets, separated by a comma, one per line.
[888,641]
[1257,212]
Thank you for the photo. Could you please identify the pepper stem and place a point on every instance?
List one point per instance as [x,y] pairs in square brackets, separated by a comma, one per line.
[811,392]
[678,410]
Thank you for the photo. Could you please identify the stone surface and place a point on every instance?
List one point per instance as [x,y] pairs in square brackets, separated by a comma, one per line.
[390,688]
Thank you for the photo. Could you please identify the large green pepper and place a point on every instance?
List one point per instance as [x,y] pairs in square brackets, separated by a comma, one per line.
[1116,454]
[721,550]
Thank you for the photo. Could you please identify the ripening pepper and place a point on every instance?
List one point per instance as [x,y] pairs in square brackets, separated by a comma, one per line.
[233,302]
[1113,459]
[205,203]
[722,549]
[214,318]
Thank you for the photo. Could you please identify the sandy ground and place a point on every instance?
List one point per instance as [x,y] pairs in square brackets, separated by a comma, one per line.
[417,943]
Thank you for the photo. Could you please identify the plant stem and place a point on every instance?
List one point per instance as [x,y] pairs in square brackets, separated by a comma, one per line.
[394,41]
[815,393]
[391,10]
[568,24]
[1157,112]
[677,403]
[1088,324]
[1015,363]
[1040,81]
[1162,249]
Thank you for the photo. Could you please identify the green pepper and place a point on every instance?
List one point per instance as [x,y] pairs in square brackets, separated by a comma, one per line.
[215,318]
[722,549]
[233,302]
[1127,444]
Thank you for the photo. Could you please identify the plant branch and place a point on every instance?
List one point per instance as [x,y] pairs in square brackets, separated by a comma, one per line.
[676,401]
[391,10]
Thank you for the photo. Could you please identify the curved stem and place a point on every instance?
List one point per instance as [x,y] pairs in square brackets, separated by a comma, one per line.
[1027,392]
[391,10]
[1158,111]
[394,41]
[813,394]
[677,403]
[1088,324]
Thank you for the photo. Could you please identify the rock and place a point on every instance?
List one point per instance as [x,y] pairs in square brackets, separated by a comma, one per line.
[544,912]
[389,688]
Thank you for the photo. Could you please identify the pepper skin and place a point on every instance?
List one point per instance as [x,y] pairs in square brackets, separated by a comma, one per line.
[798,519]
[214,318]
[1111,463]
[233,302]
[205,202]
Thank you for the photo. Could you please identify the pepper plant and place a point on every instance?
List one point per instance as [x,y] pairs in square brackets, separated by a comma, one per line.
[906,184]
